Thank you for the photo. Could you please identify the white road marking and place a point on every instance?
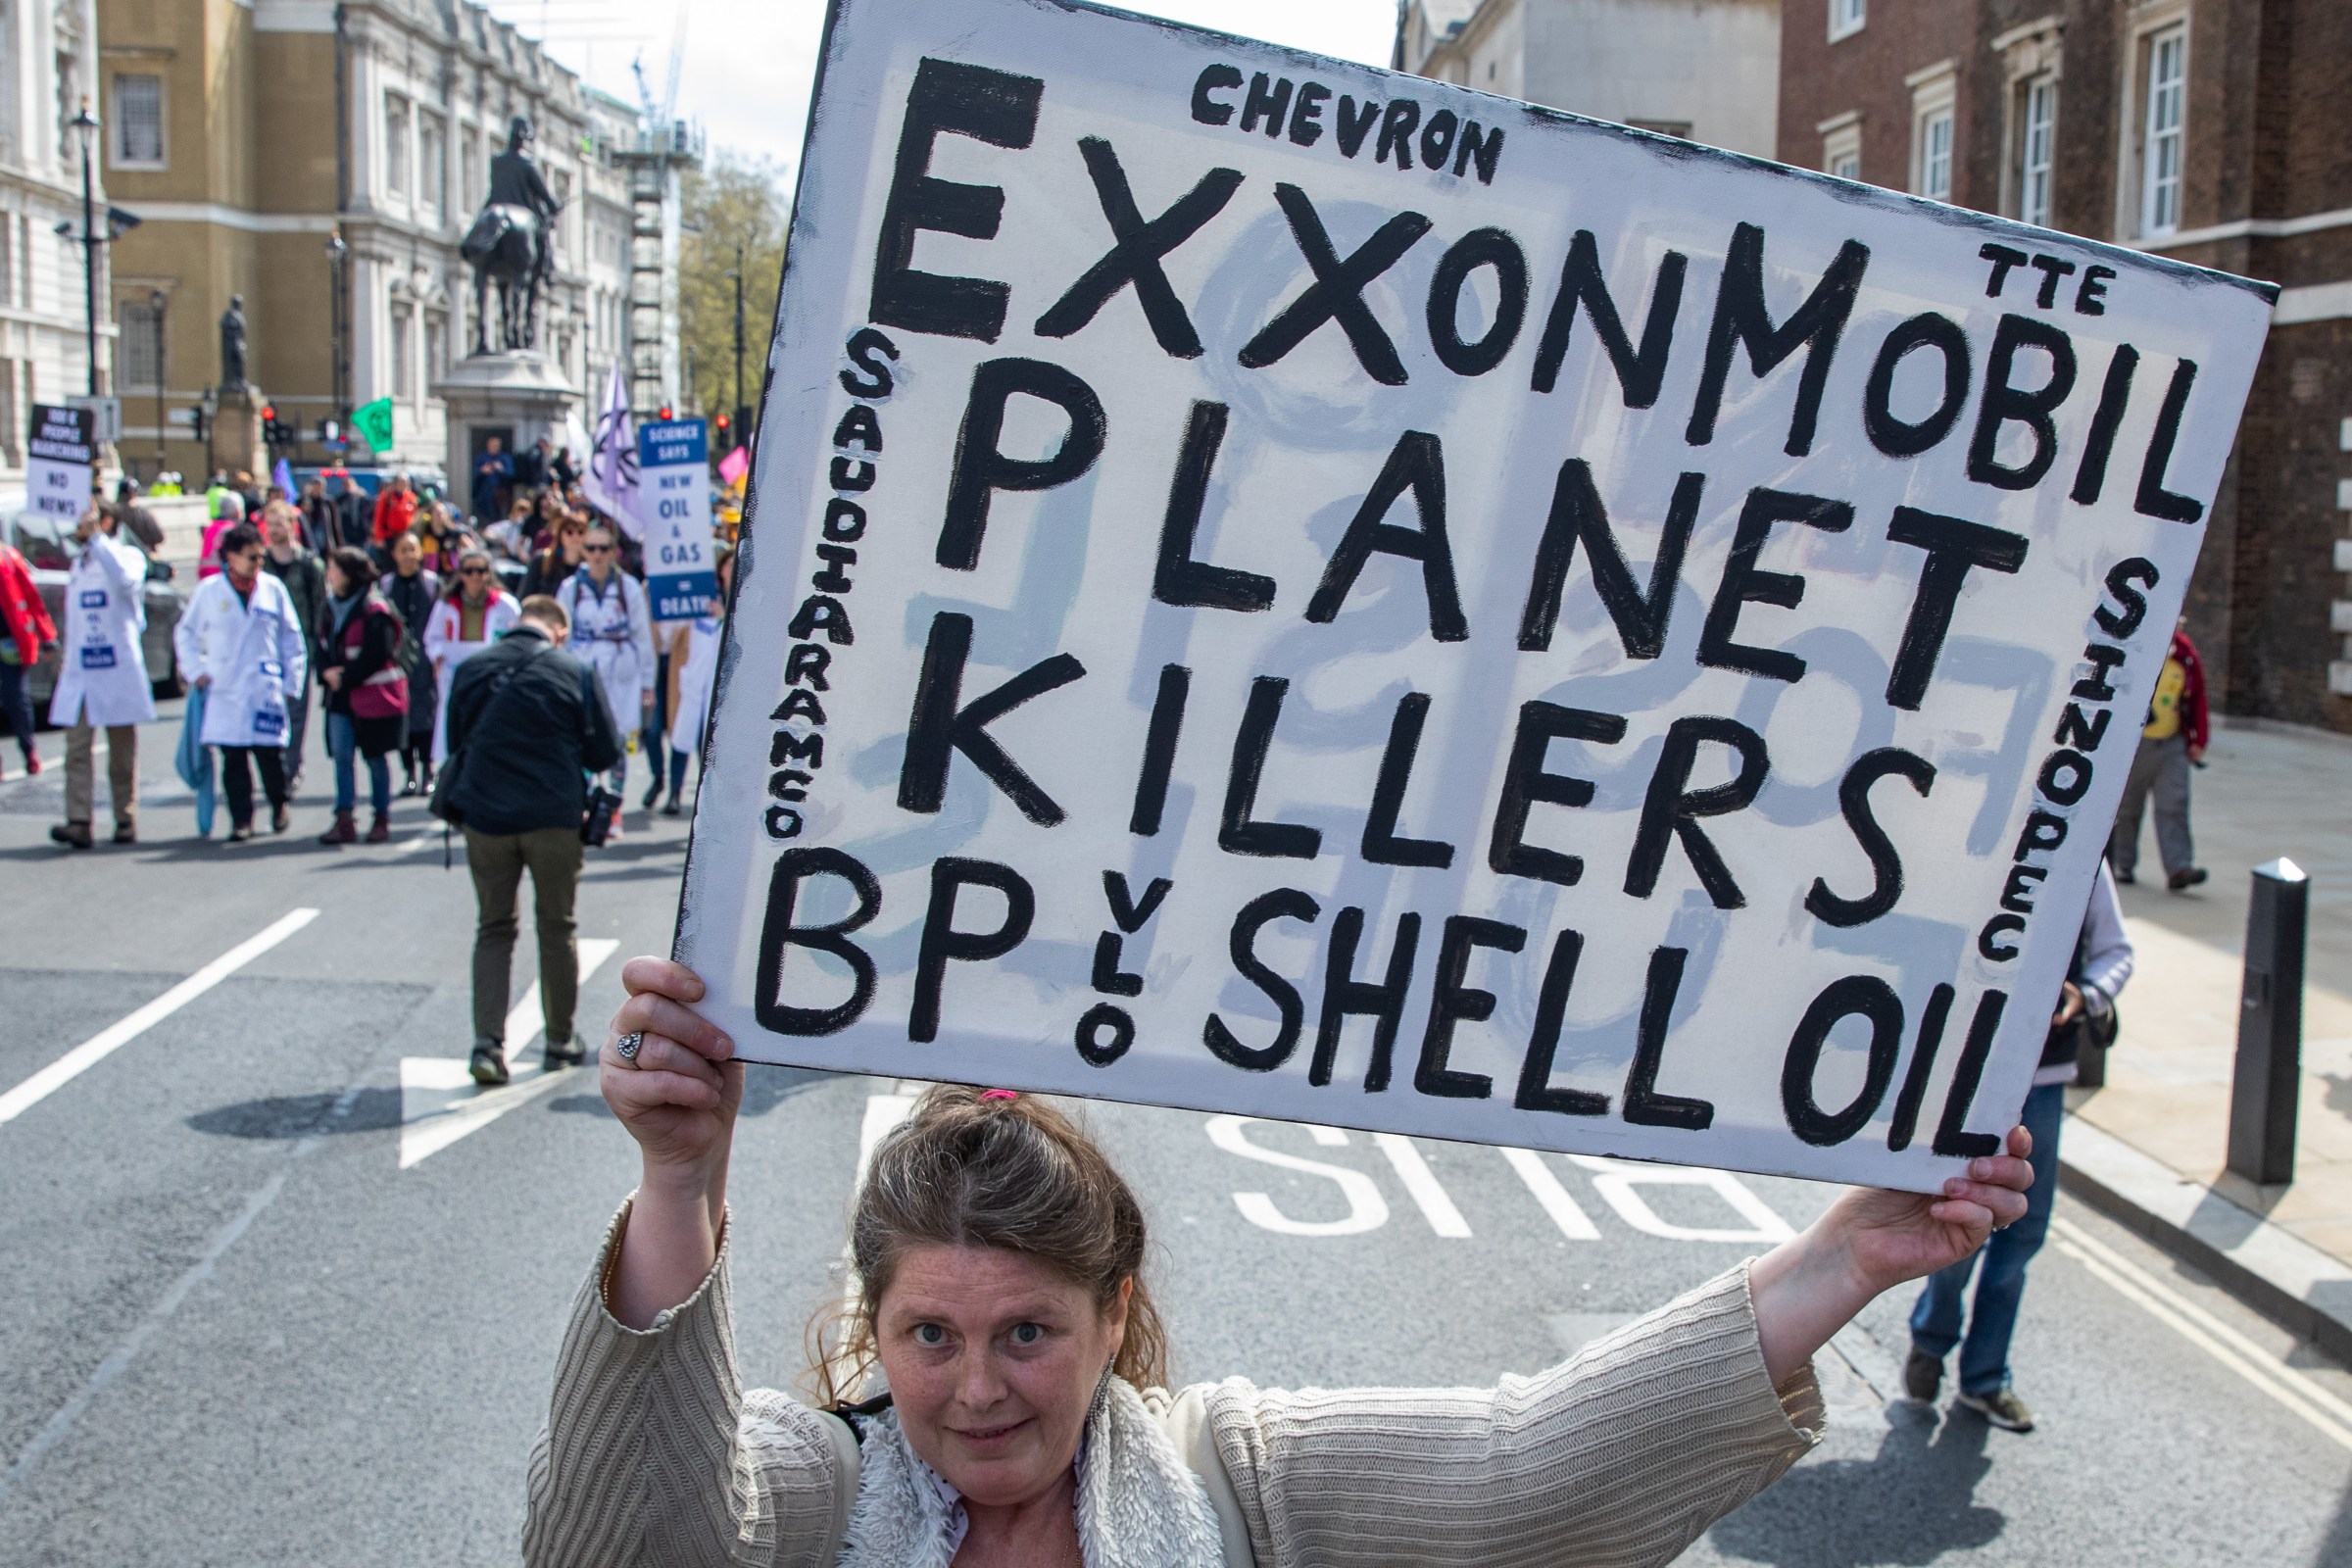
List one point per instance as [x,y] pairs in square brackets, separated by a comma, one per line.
[413,843]
[1617,1179]
[439,1101]
[1367,1210]
[104,1044]
[10,775]
[1564,1210]
[1422,1184]
[2305,1398]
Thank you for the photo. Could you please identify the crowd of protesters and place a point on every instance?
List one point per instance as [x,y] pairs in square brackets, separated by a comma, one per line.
[368,605]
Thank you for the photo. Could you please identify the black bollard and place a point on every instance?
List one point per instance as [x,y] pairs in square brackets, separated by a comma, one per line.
[2270,1028]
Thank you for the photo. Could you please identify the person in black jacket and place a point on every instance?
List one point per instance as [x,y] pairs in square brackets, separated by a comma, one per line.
[411,591]
[527,724]
[357,655]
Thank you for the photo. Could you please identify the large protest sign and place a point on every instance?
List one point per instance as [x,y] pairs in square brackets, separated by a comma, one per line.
[60,453]
[1276,586]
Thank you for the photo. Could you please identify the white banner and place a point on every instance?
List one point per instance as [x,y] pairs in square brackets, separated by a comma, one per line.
[1279,587]
[60,453]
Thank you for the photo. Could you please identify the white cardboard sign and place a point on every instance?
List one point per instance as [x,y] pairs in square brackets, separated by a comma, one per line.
[1279,587]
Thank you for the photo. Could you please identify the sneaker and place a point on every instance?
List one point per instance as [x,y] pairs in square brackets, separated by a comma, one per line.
[2002,1407]
[563,1054]
[2188,876]
[1923,1376]
[73,835]
[242,833]
[489,1063]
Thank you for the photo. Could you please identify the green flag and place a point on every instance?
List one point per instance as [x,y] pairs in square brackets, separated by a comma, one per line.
[374,423]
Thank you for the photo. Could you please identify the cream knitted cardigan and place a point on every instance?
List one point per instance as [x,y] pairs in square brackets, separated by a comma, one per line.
[656,1454]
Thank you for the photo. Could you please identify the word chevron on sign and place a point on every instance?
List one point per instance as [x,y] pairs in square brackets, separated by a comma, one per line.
[1292,590]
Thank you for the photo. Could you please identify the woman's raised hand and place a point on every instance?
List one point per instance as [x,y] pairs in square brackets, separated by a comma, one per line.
[1805,1290]
[678,1096]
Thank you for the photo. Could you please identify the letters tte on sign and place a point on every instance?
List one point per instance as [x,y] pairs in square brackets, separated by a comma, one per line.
[1277,587]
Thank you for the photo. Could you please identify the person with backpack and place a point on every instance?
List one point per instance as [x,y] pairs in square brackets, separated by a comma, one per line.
[361,643]
[527,723]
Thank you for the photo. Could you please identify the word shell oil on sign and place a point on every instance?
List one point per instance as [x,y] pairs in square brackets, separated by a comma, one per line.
[1279,587]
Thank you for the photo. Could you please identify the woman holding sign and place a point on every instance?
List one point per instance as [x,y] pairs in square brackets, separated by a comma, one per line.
[612,629]
[1001,1290]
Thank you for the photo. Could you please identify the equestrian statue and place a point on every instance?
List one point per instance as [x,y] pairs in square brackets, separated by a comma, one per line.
[509,244]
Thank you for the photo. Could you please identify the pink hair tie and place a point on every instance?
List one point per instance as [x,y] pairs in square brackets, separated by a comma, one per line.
[997,1094]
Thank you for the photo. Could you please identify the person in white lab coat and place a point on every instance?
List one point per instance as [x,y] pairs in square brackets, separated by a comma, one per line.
[612,629]
[101,681]
[241,641]
[474,613]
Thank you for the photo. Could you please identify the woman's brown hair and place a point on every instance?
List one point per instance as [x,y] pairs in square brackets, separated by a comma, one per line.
[972,1167]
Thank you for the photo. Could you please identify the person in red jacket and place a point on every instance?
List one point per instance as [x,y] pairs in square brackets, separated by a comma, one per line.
[25,631]
[2170,744]
[395,513]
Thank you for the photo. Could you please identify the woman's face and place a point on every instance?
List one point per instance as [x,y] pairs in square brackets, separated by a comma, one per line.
[407,555]
[992,1360]
[337,584]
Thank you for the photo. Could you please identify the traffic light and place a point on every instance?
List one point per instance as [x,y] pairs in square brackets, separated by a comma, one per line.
[666,412]
[722,424]
[200,421]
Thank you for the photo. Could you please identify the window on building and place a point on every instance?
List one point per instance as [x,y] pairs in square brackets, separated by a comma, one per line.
[24,266]
[469,169]
[8,426]
[1932,178]
[141,346]
[8,261]
[403,353]
[1846,17]
[1842,147]
[2161,139]
[562,190]
[436,344]
[433,162]
[396,144]
[138,141]
[2036,147]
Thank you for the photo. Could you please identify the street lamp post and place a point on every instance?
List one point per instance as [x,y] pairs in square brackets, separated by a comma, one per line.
[335,252]
[86,130]
[736,413]
[156,301]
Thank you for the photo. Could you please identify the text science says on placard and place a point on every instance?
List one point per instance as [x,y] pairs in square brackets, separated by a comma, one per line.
[1277,587]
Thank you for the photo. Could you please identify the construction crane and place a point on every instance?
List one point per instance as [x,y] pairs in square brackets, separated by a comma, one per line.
[665,147]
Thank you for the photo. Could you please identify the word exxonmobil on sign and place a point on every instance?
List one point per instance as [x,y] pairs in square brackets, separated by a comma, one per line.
[1279,587]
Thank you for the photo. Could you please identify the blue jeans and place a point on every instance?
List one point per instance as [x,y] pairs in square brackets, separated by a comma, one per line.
[343,744]
[2001,1287]
[15,704]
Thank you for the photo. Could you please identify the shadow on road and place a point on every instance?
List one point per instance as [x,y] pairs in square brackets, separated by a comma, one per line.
[371,1110]
[765,1088]
[1908,1505]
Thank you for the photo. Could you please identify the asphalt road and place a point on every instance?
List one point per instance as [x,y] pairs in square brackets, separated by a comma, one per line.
[277,1291]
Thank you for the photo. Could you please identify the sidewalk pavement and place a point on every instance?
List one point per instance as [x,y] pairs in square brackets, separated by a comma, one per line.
[2149,1147]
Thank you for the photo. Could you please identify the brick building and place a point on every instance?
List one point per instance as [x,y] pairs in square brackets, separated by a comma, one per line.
[2213,131]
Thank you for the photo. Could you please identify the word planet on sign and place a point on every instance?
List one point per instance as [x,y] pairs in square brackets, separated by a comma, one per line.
[1292,590]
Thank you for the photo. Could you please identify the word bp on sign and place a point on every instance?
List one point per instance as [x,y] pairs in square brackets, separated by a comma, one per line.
[673,501]
[1282,588]
[61,453]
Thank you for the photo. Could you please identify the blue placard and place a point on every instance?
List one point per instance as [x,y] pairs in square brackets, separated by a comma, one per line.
[672,443]
[684,596]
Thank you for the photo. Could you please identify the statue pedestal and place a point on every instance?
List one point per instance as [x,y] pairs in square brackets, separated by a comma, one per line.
[237,431]
[518,396]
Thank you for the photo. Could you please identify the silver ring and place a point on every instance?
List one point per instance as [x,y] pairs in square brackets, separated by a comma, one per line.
[627,1044]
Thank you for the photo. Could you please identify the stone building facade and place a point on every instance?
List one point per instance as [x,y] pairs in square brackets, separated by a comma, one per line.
[2212,132]
[48,67]
[283,125]
[1707,70]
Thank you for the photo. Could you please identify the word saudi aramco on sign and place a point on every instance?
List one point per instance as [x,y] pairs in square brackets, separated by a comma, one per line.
[1277,587]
